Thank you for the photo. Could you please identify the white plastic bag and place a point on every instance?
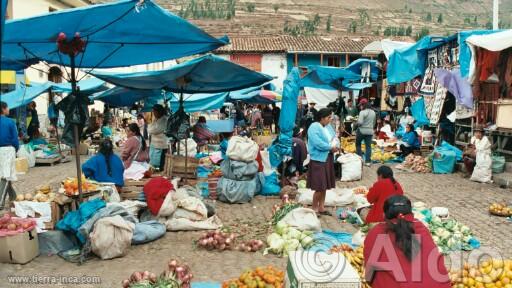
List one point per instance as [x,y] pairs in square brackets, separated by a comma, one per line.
[191,208]
[168,207]
[302,219]
[358,238]
[333,197]
[483,168]
[190,149]
[351,167]
[111,237]
[26,152]
[242,149]
[183,224]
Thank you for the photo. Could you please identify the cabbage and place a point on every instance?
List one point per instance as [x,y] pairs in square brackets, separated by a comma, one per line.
[305,234]
[439,231]
[457,235]
[307,241]
[280,227]
[294,233]
[465,229]
[291,245]
[275,243]
[301,184]
[435,238]
[436,221]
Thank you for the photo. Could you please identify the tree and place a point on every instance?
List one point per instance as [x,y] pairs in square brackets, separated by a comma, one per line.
[410,10]
[424,32]
[352,27]
[363,17]
[316,20]
[429,17]
[440,18]
[328,23]
[250,7]
[276,7]
[488,25]
[401,31]
[387,31]
[475,20]
[408,31]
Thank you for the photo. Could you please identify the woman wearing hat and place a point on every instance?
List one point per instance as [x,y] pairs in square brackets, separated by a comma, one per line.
[478,155]
[322,143]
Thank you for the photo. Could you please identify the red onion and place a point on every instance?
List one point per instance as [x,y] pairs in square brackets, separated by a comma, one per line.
[136,277]
[248,249]
[180,269]
[152,277]
[228,241]
[126,283]
[145,275]
[203,242]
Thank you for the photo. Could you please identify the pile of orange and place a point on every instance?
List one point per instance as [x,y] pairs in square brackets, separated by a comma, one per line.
[70,186]
[261,277]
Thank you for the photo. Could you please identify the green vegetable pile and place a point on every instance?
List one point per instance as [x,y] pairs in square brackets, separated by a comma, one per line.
[286,238]
[450,235]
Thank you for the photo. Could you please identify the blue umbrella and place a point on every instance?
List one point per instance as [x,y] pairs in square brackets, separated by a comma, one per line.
[205,74]
[331,78]
[121,33]
[125,97]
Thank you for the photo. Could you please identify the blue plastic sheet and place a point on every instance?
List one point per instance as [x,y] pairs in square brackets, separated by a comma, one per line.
[287,119]
[120,33]
[326,239]
[206,285]
[205,74]
[2,18]
[419,113]
[357,66]
[271,186]
[457,151]
[221,126]
[330,78]
[445,163]
[198,102]
[148,231]
[124,97]
[73,220]
[252,95]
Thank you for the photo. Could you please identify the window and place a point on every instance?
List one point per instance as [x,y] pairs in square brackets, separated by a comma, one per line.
[334,61]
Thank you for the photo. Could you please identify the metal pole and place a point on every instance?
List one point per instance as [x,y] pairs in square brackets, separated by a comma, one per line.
[495,14]
[76,137]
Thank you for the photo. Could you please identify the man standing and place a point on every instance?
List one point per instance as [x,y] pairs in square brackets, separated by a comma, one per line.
[276,111]
[9,144]
[310,115]
[365,124]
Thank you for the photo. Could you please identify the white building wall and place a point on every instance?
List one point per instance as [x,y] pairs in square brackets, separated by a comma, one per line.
[275,66]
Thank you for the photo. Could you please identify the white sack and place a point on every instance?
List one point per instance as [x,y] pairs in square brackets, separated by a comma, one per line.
[333,197]
[483,168]
[302,219]
[111,237]
[191,148]
[242,149]
[351,167]
[183,224]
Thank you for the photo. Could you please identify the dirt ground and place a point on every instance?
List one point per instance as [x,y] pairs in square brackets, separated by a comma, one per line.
[467,202]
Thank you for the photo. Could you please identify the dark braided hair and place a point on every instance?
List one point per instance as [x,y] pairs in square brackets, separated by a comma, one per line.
[107,149]
[136,130]
[394,207]
[386,172]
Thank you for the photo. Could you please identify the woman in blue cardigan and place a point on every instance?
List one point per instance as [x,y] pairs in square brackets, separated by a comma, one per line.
[105,166]
[322,143]
[410,141]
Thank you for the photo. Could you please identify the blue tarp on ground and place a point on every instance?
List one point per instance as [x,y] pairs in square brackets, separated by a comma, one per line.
[205,74]
[118,34]
[124,97]
[198,102]
[330,78]
[465,52]
[326,239]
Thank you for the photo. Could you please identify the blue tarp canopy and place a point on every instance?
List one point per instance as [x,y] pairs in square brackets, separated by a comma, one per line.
[121,33]
[205,74]
[407,63]
[198,102]
[358,85]
[252,95]
[125,97]
[28,93]
[2,19]
[330,78]
[357,66]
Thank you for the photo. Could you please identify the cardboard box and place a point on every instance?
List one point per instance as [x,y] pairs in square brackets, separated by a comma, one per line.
[308,269]
[21,165]
[20,248]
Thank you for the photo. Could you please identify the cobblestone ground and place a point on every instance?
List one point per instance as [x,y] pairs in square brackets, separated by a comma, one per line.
[467,202]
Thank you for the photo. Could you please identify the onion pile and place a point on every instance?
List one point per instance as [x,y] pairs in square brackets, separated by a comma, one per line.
[175,276]
[217,240]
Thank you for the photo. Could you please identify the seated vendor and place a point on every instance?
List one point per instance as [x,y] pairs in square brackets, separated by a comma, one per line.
[224,143]
[385,131]
[299,151]
[410,141]
[105,166]
[106,130]
[381,190]
[135,147]
[395,249]
[201,132]
[479,144]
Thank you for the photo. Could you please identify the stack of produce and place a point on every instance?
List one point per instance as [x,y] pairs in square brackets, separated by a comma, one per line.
[70,186]
[43,194]
[450,235]
[286,238]
[261,277]
[175,276]
[500,209]
[491,273]
[355,257]
[418,164]
[13,225]
[381,156]
[221,241]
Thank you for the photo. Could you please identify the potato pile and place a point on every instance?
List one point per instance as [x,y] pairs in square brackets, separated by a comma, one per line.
[491,273]
[43,194]
[417,164]
[500,209]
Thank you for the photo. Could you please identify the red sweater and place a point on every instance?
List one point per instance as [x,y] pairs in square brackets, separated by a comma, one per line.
[377,195]
[391,267]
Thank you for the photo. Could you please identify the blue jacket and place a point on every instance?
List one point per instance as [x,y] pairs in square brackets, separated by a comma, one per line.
[96,169]
[319,145]
[411,138]
[8,133]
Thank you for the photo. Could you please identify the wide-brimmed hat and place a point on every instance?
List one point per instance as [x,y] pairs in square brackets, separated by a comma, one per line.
[479,128]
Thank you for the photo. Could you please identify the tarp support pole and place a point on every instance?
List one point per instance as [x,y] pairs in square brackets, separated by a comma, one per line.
[76,137]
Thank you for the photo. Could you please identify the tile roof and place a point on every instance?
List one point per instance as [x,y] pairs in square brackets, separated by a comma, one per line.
[320,44]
